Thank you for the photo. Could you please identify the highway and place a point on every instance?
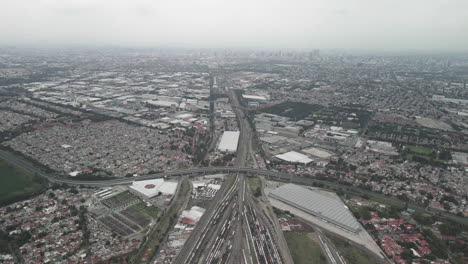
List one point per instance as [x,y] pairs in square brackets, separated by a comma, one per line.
[274,175]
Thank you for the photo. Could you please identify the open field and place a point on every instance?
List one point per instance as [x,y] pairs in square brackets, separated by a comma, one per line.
[254,183]
[293,109]
[303,249]
[352,255]
[328,115]
[422,153]
[141,208]
[419,149]
[435,124]
[16,183]
[121,199]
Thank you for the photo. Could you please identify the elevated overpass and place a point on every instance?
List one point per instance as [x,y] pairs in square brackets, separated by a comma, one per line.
[274,175]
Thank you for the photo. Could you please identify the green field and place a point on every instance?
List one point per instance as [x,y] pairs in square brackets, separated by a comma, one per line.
[303,249]
[293,109]
[425,154]
[419,149]
[126,196]
[254,183]
[352,255]
[314,112]
[145,211]
[17,184]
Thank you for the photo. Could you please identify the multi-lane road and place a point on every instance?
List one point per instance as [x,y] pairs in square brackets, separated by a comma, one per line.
[274,175]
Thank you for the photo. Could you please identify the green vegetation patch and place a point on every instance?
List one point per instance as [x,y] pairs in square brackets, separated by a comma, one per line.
[293,109]
[347,117]
[17,183]
[126,196]
[255,186]
[360,212]
[419,149]
[303,249]
[145,211]
[425,154]
[352,255]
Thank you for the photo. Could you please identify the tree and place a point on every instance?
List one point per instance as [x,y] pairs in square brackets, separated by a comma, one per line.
[423,219]
[258,192]
[407,254]
[450,229]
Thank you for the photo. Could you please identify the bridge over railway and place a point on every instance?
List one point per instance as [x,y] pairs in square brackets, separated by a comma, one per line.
[273,175]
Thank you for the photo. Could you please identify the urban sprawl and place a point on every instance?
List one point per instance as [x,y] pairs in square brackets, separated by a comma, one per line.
[219,156]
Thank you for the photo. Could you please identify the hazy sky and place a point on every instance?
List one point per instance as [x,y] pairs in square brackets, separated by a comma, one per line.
[354,24]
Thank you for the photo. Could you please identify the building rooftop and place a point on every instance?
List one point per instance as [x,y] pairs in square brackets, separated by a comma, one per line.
[254,97]
[229,141]
[324,205]
[151,188]
[293,156]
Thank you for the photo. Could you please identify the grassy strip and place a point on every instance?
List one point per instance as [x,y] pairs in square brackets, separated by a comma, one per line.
[255,186]
[168,219]
[352,255]
[303,249]
[17,183]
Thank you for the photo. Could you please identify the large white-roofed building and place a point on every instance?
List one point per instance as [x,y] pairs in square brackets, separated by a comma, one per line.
[326,206]
[192,216]
[229,141]
[154,187]
[162,103]
[294,157]
[319,153]
[254,97]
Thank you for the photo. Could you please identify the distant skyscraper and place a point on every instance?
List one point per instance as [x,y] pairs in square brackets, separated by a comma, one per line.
[314,54]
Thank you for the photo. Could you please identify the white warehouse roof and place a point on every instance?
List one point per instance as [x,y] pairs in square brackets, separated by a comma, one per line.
[193,215]
[293,156]
[254,97]
[326,206]
[229,141]
[151,188]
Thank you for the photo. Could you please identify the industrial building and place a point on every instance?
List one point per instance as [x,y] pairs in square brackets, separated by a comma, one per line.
[229,141]
[294,157]
[192,216]
[252,97]
[155,187]
[253,100]
[326,206]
